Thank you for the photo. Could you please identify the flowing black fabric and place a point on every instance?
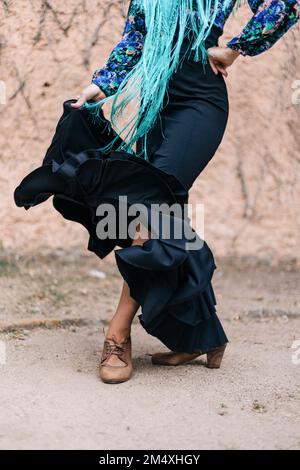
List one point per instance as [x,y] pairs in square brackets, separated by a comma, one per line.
[170,282]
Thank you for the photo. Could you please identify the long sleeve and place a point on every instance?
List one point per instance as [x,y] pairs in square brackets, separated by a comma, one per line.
[125,54]
[271,20]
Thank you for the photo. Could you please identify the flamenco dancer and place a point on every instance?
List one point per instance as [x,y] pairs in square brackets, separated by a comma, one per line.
[166,79]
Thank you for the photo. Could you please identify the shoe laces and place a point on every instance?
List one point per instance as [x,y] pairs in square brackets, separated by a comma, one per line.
[112,347]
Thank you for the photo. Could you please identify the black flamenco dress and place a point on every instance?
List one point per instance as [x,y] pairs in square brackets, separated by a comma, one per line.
[171,283]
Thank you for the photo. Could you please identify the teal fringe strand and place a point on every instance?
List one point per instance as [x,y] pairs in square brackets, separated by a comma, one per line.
[147,83]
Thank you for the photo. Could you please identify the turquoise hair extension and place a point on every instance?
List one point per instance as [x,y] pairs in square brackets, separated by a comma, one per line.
[146,84]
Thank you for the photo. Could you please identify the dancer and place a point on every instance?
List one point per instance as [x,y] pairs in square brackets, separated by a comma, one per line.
[168,62]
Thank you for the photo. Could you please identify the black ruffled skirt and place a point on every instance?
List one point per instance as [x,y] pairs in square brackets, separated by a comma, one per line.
[172,283]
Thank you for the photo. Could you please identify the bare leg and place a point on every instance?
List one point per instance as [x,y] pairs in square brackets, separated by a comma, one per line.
[120,324]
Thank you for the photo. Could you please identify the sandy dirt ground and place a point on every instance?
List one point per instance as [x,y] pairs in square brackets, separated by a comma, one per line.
[53,311]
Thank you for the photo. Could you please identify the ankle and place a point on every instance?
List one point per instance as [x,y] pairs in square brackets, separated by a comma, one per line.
[119,331]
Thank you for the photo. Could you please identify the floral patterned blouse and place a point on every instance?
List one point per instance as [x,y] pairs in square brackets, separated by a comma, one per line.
[270,20]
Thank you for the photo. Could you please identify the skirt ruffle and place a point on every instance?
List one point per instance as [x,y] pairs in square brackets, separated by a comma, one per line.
[171,283]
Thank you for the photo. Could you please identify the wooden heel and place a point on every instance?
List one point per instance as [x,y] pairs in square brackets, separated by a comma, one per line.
[215,356]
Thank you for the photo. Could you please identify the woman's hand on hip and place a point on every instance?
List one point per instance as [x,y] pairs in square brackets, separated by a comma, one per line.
[220,58]
[91,92]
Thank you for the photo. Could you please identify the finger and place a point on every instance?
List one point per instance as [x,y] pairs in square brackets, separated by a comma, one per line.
[98,97]
[212,64]
[220,66]
[222,70]
[80,101]
[211,51]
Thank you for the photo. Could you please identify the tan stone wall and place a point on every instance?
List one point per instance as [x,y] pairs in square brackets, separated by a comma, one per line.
[48,50]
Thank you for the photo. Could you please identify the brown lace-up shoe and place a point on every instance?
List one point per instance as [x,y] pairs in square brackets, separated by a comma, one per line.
[116,363]
[214,357]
